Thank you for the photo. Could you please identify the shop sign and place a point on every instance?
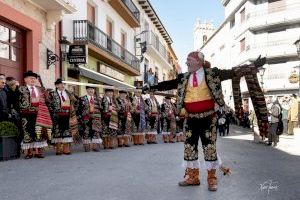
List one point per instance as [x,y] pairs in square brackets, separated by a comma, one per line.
[77,54]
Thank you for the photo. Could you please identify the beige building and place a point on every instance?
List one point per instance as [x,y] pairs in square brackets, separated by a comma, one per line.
[28,30]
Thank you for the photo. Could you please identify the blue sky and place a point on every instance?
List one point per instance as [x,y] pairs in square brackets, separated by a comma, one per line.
[179,18]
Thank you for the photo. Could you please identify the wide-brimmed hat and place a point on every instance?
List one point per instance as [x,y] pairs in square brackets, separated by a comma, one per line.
[122,92]
[30,73]
[108,90]
[58,81]
[89,87]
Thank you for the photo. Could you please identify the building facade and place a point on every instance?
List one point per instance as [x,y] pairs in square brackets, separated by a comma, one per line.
[159,56]
[107,28]
[28,30]
[252,28]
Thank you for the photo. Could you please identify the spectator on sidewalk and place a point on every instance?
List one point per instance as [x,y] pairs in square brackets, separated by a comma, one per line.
[274,113]
[227,122]
[285,112]
[221,123]
[4,109]
[254,126]
[293,115]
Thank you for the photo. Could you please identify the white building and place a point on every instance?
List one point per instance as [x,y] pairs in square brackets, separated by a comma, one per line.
[257,27]
[158,55]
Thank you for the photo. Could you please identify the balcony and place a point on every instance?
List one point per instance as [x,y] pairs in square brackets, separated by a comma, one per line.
[105,48]
[287,14]
[127,10]
[156,48]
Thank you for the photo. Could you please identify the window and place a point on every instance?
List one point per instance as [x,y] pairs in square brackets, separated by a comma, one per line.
[222,47]
[9,43]
[91,13]
[109,28]
[242,45]
[232,23]
[204,39]
[123,44]
[242,14]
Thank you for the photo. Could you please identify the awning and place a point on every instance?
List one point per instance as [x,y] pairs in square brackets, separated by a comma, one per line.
[104,79]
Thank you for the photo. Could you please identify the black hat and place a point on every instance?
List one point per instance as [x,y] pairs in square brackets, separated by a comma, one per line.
[30,73]
[58,81]
[89,87]
[122,92]
[108,90]
[168,97]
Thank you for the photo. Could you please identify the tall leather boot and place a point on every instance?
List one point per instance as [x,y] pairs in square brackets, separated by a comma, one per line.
[165,138]
[120,141]
[141,139]
[39,153]
[191,178]
[66,149]
[126,140]
[135,139]
[28,153]
[58,149]
[105,142]
[171,138]
[86,147]
[212,180]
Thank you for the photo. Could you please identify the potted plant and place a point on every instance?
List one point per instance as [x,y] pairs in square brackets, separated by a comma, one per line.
[8,141]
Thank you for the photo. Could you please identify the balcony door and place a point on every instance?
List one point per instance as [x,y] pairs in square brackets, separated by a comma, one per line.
[109,32]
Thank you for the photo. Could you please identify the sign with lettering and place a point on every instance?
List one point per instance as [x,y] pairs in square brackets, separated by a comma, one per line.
[111,72]
[77,54]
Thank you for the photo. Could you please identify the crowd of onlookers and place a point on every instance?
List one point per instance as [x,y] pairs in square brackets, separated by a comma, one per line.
[283,111]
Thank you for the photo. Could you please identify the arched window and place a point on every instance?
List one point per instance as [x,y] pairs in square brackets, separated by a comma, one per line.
[204,38]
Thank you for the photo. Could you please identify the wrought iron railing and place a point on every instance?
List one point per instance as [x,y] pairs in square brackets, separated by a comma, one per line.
[133,9]
[84,31]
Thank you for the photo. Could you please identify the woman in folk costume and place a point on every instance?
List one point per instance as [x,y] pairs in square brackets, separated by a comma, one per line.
[89,116]
[153,113]
[138,117]
[124,133]
[200,93]
[168,111]
[110,120]
[32,102]
[63,106]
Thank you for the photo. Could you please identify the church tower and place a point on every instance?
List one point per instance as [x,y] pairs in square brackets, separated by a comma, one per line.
[202,32]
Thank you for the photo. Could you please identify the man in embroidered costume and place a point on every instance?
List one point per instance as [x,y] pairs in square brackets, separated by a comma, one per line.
[110,120]
[168,111]
[199,92]
[124,133]
[29,102]
[153,113]
[63,106]
[138,117]
[90,120]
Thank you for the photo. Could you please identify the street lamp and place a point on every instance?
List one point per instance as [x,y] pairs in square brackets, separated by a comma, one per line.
[64,47]
[261,73]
